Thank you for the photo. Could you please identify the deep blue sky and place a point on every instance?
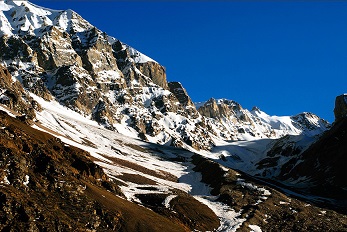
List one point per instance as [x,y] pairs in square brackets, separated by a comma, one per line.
[284,57]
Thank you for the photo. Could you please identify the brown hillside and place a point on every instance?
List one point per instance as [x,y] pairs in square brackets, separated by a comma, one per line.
[49,186]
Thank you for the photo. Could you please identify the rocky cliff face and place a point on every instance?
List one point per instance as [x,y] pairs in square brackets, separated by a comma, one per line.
[340,110]
[14,97]
[77,73]
[57,55]
[238,123]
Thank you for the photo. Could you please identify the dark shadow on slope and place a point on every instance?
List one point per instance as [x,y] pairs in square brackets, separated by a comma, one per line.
[316,175]
[312,185]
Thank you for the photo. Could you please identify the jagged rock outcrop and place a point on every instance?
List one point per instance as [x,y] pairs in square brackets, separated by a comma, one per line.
[138,67]
[58,55]
[98,55]
[239,123]
[222,108]
[340,109]
[210,109]
[101,114]
[13,95]
[15,48]
[54,49]
[183,98]
[61,56]
[181,94]
[154,71]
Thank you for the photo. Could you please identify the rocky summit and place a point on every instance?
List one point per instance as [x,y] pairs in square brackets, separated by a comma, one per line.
[340,110]
[94,138]
[59,55]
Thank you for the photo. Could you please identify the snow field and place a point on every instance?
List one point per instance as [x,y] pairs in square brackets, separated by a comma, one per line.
[104,145]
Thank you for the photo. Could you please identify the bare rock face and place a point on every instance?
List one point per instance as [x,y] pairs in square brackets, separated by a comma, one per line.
[15,48]
[98,56]
[231,121]
[222,108]
[13,95]
[340,110]
[210,109]
[101,114]
[54,49]
[138,71]
[181,94]
[154,71]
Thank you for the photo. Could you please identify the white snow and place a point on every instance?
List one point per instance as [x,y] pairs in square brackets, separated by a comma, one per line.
[24,16]
[168,199]
[230,220]
[277,122]
[26,180]
[75,129]
[4,6]
[254,228]
[5,26]
[250,186]
[138,56]
[7,111]
[193,180]
[5,181]
[63,20]
[238,150]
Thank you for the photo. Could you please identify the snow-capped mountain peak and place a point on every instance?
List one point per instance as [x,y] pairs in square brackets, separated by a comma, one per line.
[24,17]
[56,54]
[241,123]
[61,75]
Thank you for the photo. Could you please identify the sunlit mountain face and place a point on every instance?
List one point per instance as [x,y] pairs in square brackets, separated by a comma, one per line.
[93,137]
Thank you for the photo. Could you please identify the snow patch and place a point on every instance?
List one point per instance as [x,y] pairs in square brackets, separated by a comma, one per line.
[138,56]
[26,180]
[168,199]
[230,220]
[254,228]
[253,187]
[7,111]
